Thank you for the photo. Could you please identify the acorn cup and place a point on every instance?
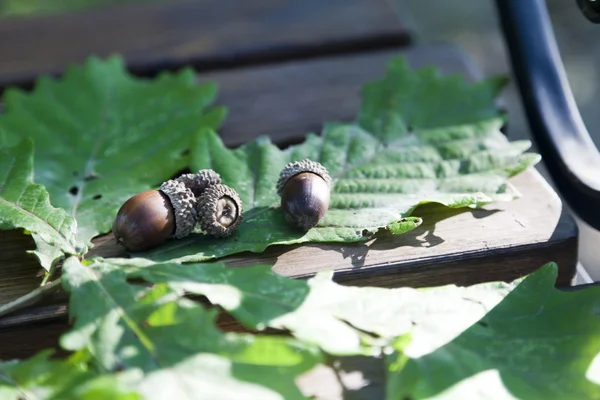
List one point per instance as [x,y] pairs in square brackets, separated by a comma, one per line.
[219,211]
[304,187]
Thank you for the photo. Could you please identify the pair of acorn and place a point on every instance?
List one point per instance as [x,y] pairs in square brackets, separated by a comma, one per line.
[149,218]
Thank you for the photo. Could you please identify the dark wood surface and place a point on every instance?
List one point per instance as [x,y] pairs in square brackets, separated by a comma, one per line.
[205,33]
[19,272]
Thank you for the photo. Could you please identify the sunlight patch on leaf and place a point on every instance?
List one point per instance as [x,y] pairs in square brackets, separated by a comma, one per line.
[339,319]
[540,340]
[40,377]
[169,338]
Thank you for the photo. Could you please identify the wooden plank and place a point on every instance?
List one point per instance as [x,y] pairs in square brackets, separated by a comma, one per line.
[207,34]
[499,242]
[20,341]
[20,272]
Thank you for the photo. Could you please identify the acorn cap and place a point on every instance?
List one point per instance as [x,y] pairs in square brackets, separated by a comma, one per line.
[298,167]
[219,210]
[184,207]
[199,181]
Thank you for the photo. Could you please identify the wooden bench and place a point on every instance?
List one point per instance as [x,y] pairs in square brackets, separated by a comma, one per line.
[306,60]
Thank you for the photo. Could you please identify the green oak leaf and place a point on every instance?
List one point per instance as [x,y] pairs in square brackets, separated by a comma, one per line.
[537,343]
[102,135]
[523,339]
[340,319]
[253,170]
[254,295]
[208,376]
[377,186]
[41,378]
[174,342]
[24,204]
[420,138]
[405,102]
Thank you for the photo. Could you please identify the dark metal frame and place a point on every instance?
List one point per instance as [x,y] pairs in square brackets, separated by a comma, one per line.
[570,156]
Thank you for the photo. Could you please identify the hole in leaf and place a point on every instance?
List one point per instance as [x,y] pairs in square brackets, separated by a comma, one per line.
[483,323]
[97,197]
[74,190]
[365,232]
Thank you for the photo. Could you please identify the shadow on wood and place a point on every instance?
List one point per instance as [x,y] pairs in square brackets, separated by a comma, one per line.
[423,236]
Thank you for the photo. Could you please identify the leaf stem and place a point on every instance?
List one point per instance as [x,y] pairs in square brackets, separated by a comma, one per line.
[47,276]
[30,298]
[54,267]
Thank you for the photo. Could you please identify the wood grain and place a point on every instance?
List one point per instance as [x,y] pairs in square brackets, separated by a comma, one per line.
[20,272]
[207,34]
[23,340]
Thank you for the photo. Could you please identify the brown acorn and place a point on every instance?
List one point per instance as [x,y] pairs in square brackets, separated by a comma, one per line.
[219,210]
[149,218]
[304,187]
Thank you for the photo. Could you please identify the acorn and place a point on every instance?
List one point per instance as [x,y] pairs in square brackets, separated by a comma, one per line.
[219,210]
[149,218]
[199,181]
[304,187]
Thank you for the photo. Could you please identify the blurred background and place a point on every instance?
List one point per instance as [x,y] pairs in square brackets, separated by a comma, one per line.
[473,26]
